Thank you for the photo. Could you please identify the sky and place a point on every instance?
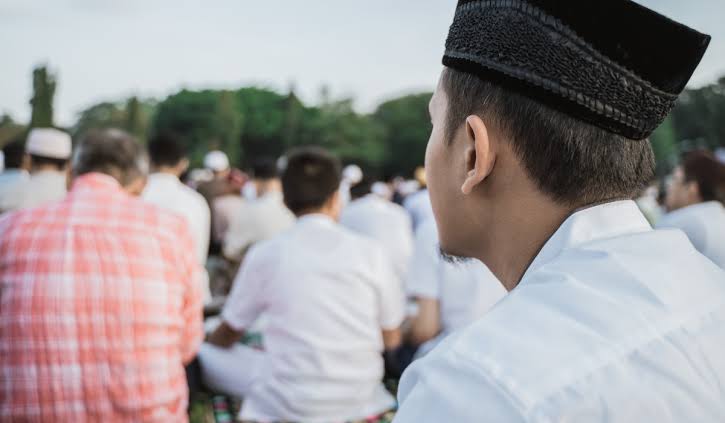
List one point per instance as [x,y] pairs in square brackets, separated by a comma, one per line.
[372,50]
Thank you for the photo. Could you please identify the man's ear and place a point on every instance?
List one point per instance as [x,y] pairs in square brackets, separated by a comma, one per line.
[693,192]
[479,155]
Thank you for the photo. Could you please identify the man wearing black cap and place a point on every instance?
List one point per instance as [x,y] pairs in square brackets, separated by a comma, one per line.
[539,142]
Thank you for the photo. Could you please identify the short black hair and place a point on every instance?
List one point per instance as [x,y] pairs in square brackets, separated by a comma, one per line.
[362,188]
[110,151]
[14,153]
[265,168]
[166,149]
[37,160]
[312,175]
[703,168]
[571,161]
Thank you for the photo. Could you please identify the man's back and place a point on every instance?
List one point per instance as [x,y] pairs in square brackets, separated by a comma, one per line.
[100,307]
[326,294]
[612,322]
[385,222]
[704,225]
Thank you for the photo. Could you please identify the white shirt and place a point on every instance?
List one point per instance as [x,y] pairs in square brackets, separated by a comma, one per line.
[386,222]
[326,293]
[465,291]
[613,322]
[704,225]
[43,187]
[9,178]
[168,192]
[256,221]
[419,207]
[225,209]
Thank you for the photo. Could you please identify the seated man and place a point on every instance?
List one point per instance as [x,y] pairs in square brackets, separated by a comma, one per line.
[47,152]
[695,199]
[100,299]
[448,296]
[371,215]
[332,306]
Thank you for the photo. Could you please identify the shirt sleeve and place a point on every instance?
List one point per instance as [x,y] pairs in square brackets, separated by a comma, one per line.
[246,300]
[392,298]
[424,272]
[192,312]
[439,388]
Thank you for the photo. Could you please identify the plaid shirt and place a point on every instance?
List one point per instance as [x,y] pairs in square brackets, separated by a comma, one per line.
[100,306]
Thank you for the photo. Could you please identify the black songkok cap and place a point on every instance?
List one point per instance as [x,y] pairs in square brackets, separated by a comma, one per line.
[613,63]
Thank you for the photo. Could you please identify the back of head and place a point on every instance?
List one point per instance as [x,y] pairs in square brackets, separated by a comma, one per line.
[362,188]
[113,152]
[265,168]
[311,177]
[571,161]
[14,154]
[704,169]
[166,150]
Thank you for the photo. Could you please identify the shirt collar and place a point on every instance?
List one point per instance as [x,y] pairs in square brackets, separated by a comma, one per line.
[96,181]
[594,223]
[164,177]
[316,219]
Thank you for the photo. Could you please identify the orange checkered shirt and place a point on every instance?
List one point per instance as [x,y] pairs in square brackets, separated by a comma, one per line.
[100,307]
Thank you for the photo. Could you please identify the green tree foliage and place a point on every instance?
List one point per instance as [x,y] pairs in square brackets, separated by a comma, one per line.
[699,116]
[133,115]
[42,101]
[664,144]
[406,124]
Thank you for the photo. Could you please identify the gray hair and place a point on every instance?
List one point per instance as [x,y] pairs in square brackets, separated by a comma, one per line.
[113,152]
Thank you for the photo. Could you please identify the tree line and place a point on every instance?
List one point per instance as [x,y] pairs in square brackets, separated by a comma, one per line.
[253,121]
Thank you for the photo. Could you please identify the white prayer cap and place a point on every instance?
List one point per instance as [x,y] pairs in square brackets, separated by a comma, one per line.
[49,142]
[217,161]
[352,174]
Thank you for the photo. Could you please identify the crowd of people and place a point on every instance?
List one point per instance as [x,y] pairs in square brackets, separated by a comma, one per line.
[515,279]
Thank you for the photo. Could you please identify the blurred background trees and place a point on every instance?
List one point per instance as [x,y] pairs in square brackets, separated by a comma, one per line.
[252,121]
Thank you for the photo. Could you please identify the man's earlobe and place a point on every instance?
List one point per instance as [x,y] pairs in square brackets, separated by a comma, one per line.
[480,157]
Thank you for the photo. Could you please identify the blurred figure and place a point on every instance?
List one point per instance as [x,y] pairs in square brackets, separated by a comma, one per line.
[100,298]
[351,175]
[448,296]
[219,186]
[648,203]
[695,199]
[418,203]
[169,162]
[261,218]
[370,215]
[332,306]
[47,151]
[13,174]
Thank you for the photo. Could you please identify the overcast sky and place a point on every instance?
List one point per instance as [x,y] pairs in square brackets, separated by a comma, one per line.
[371,50]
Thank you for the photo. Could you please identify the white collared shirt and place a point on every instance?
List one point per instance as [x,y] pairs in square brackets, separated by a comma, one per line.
[704,225]
[326,294]
[613,321]
[43,187]
[386,222]
[168,192]
[256,220]
[465,291]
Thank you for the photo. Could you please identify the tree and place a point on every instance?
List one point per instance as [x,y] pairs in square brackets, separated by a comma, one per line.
[42,102]
[406,125]
[99,116]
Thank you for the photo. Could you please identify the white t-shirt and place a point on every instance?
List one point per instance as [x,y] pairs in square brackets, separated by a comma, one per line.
[465,291]
[167,191]
[41,188]
[612,321]
[704,225]
[326,293]
[386,222]
[419,207]
[257,220]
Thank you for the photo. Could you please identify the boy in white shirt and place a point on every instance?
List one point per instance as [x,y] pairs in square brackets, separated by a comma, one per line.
[332,306]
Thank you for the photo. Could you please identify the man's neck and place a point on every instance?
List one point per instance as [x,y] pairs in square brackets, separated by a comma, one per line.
[167,171]
[46,168]
[519,233]
[268,186]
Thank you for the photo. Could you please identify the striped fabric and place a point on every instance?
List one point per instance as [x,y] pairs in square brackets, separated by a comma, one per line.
[100,306]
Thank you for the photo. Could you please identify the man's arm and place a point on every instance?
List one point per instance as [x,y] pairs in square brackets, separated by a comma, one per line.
[224,336]
[392,338]
[425,325]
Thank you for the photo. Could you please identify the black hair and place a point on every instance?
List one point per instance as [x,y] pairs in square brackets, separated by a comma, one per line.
[707,172]
[362,188]
[311,177]
[265,168]
[166,149]
[571,161]
[14,153]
